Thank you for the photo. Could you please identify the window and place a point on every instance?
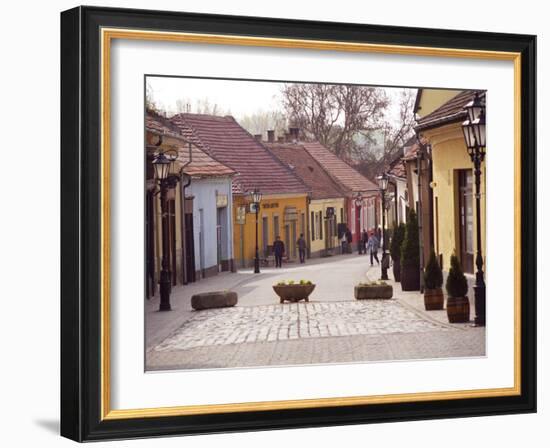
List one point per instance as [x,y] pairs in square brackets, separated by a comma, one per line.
[265,234]
[321,225]
[275,227]
[312,223]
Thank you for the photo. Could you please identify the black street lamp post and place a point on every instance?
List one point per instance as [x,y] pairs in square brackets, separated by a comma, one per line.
[383,185]
[475,138]
[256,198]
[163,165]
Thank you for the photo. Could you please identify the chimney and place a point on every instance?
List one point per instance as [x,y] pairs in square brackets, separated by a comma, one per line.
[271,135]
[258,137]
[294,134]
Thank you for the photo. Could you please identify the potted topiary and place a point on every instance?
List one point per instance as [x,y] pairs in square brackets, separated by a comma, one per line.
[395,250]
[410,260]
[458,306]
[433,280]
[292,291]
[373,290]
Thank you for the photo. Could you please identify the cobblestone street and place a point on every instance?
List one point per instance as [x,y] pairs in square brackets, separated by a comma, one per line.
[270,323]
[332,327]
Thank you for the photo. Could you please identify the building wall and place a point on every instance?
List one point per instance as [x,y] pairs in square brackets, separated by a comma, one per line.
[431,99]
[205,218]
[401,202]
[319,209]
[421,196]
[369,215]
[449,155]
[272,208]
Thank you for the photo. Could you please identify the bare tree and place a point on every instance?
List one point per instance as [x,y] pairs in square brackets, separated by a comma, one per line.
[261,121]
[335,114]
[150,102]
[398,132]
[199,106]
[395,132]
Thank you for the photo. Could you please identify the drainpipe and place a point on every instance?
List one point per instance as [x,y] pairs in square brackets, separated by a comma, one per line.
[419,158]
[308,226]
[183,186]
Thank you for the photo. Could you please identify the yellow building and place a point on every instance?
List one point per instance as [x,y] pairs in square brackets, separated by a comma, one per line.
[324,217]
[283,215]
[454,214]
[428,100]
[283,209]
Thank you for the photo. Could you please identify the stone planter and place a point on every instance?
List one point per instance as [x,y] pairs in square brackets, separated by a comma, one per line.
[433,299]
[410,278]
[458,309]
[293,293]
[366,292]
[214,299]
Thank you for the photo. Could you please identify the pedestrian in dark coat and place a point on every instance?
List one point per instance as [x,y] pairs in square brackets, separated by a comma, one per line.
[349,239]
[278,251]
[364,239]
[301,243]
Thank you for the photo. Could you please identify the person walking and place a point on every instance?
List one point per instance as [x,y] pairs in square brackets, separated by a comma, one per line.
[364,239]
[301,243]
[349,239]
[372,248]
[278,251]
[344,242]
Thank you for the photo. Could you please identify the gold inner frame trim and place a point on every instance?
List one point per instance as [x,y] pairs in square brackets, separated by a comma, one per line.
[107,35]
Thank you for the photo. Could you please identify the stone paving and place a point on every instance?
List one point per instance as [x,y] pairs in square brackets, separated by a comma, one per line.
[328,350]
[294,321]
[331,328]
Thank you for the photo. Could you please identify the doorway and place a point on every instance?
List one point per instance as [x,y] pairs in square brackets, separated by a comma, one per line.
[466,219]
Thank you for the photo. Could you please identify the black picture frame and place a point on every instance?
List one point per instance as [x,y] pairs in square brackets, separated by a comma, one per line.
[81,224]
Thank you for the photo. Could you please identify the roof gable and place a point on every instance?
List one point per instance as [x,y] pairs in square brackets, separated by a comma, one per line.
[346,176]
[304,165]
[449,112]
[201,163]
[224,139]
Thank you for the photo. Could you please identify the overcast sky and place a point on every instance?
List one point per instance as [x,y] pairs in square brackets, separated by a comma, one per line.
[238,98]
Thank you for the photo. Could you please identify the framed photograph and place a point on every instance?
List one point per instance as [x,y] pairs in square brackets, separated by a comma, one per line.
[272,223]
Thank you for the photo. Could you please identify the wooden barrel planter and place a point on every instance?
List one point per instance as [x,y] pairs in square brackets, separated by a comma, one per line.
[433,299]
[366,292]
[410,278]
[458,309]
[293,293]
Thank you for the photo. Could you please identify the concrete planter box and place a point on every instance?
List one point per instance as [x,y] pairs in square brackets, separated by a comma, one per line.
[366,292]
[214,299]
[293,293]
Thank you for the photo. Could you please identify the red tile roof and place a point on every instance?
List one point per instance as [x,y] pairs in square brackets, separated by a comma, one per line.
[295,156]
[347,177]
[449,112]
[202,165]
[256,167]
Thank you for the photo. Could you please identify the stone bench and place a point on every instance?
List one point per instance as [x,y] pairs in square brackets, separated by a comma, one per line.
[214,299]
